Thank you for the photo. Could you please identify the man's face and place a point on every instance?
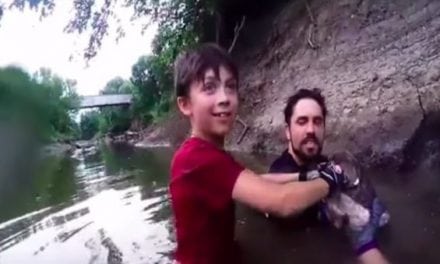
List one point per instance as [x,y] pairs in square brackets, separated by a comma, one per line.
[306,130]
[212,104]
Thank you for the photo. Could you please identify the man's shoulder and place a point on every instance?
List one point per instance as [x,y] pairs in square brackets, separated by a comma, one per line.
[281,159]
[286,164]
[321,158]
[283,164]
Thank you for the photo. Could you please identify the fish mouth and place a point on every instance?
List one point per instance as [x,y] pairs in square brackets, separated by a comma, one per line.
[353,184]
[356,182]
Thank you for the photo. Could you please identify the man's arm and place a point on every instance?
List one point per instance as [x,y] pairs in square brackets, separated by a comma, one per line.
[280,199]
[373,256]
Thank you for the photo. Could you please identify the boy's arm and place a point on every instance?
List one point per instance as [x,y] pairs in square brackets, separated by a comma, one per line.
[289,177]
[280,199]
[281,177]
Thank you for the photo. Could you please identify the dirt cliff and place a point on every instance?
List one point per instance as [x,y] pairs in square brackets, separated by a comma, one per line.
[376,61]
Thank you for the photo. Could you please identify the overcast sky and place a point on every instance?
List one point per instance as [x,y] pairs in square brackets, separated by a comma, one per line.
[31,43]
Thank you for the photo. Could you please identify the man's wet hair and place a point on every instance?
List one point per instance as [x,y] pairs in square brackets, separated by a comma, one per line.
[192,65]
[314,94]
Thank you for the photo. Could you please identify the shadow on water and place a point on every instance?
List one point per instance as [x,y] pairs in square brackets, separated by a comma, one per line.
[110,205]
[49,182]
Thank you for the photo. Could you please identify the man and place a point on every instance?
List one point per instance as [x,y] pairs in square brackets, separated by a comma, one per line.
[305,115]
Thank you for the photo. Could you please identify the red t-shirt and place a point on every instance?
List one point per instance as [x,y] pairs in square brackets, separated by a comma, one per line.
[202,179]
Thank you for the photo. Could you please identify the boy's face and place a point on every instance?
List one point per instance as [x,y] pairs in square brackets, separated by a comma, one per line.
[306,129]
[212,104]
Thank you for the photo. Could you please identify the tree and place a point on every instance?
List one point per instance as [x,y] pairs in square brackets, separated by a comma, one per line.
[181,25]
[178,16]
[62,101]
[43,103]
[117,86]
[116,119]
[89,124]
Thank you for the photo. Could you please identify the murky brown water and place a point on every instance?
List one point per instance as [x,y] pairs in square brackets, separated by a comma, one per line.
[412,236]
[111,206]
[117,213]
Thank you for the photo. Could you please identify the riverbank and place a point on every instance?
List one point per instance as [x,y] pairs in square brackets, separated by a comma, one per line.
[423,146]
[376,62]
[57,149]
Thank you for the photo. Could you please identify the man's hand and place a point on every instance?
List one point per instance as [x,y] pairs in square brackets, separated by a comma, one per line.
[364,239]
[333,175]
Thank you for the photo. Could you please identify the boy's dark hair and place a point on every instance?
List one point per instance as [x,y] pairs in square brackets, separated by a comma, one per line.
[314,94]
[191,66]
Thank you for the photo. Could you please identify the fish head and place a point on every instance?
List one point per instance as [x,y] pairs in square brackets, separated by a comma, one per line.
[359,186]
[349,165]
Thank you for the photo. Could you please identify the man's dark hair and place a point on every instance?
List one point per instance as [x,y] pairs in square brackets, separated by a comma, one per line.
[314,94]
[192,65]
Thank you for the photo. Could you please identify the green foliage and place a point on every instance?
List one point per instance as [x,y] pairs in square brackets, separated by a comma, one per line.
[149,81]
[116,119]
[181,24]
[117,86]
[42,103]
[89,124]
[110,119]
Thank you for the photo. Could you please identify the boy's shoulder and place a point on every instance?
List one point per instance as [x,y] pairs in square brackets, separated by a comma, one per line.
[191,148]
[194,152]
[200,165]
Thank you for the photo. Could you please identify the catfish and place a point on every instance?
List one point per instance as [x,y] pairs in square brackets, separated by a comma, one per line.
[352,205]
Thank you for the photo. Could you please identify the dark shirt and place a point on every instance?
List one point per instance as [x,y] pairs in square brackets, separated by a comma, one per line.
[286,164]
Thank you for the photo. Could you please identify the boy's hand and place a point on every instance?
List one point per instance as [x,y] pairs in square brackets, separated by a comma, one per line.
[309,175]
[333,175]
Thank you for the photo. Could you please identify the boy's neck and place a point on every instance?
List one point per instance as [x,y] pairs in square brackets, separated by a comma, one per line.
[217,141]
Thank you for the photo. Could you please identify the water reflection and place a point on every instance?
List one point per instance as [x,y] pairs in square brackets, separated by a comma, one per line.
[47,182]
[119,213]
[106,228]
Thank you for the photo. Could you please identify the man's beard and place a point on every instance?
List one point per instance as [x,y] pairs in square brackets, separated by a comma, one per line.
[304,157]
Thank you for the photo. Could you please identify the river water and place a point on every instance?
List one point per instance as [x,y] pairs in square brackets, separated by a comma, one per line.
[110,205]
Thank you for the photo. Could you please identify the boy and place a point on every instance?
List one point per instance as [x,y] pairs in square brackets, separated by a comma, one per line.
[205,180]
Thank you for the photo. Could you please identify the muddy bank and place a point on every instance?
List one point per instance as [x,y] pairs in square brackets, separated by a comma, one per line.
[377,63]
[170,132]
[57,149]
